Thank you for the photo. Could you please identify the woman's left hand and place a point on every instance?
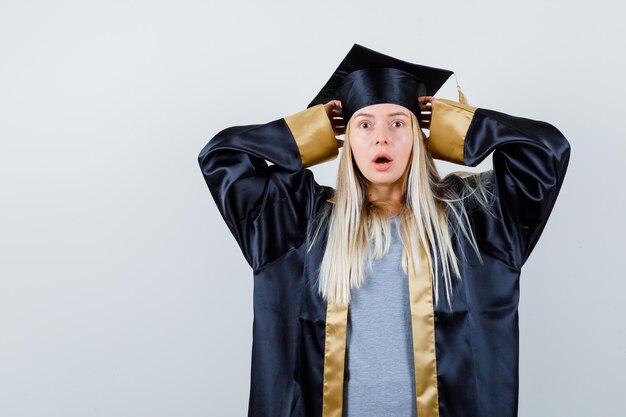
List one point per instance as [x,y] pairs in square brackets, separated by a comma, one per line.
[427,103]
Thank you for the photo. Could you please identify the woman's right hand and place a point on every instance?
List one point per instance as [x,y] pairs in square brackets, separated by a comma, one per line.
[335,115]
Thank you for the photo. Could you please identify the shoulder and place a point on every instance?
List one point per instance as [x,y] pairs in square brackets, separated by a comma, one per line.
[473,193]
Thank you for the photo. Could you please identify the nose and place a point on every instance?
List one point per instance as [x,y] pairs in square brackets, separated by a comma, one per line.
[381,134]
[380,141]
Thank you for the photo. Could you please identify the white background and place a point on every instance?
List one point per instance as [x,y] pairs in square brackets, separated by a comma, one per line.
[122,292]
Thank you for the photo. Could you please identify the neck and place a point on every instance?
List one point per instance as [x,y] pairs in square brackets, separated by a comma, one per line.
[387,197]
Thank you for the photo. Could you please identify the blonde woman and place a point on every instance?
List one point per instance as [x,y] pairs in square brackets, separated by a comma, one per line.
[396,293]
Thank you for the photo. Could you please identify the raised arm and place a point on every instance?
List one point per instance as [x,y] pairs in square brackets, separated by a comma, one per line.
[530,160]
[266,207]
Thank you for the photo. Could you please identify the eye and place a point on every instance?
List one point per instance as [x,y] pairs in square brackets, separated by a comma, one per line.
[364,123]
[398,121]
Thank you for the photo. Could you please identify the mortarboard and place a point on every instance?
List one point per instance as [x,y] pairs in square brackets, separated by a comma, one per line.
[367,77]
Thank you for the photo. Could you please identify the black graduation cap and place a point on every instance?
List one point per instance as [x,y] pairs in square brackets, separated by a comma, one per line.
[367,77]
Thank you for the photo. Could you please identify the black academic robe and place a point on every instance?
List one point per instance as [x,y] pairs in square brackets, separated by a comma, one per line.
[466,356]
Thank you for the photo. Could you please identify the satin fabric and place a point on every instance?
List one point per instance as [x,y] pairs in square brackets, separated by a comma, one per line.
[314,136]
[369,86]
[334,359]
[366,77]
[448,129]
[268,208]
[423,331]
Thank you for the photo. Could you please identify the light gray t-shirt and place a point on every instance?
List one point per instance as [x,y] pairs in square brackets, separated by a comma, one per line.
[379,377]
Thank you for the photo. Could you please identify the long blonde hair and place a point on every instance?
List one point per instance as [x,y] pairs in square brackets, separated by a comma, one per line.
[359,232]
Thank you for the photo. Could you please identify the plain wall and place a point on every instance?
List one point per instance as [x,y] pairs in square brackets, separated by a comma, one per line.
[122,292]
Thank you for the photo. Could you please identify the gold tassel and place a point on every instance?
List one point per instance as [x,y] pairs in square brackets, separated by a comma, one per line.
[462,98]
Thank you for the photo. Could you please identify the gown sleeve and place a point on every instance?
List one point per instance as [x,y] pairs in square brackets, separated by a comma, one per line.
[530,159]
[266,207]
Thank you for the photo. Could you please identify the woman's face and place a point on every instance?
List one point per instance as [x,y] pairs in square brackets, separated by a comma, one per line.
[382,130]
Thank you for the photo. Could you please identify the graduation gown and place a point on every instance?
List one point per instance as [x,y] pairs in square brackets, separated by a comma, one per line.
[466,356]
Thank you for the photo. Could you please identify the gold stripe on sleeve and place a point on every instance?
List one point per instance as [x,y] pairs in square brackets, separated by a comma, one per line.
[448,127]
[314,135]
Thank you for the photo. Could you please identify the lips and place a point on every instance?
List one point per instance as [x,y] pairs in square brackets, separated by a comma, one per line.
[382,157]
[382,161]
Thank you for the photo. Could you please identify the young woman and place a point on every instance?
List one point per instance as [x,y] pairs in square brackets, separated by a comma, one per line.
[395,294]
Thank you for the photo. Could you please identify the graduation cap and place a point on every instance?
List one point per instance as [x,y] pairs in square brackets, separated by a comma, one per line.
[367,77]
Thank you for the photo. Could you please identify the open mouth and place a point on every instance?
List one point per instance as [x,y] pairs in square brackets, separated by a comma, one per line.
[382,161]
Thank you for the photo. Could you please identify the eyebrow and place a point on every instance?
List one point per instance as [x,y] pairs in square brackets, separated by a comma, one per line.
[398,113]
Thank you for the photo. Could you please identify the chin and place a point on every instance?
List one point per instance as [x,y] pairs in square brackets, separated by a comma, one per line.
[383,179]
